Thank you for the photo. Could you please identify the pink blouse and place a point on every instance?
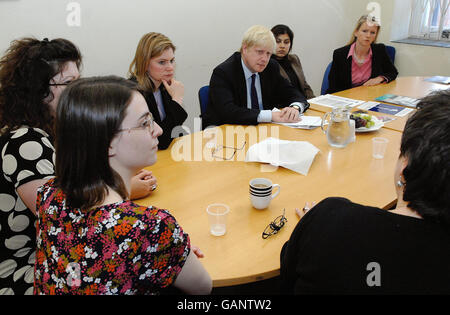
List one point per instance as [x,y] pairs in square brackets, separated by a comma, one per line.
[360,73]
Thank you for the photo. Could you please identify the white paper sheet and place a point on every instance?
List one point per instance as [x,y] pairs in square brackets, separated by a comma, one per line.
[297,156]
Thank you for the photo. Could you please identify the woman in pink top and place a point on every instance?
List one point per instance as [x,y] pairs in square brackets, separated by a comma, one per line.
[361,61]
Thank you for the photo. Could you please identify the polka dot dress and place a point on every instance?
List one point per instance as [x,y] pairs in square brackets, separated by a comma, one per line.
[27,154]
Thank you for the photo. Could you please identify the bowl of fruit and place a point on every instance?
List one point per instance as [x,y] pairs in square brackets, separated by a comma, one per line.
[366,122]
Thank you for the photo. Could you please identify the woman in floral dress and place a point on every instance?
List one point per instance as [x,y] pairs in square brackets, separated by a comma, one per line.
[91,238]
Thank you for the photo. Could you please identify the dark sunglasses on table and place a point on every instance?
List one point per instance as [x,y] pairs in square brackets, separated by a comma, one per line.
[275,225]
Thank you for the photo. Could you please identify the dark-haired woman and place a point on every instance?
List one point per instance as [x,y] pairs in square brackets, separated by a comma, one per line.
[340,247]
[91,238]
[33,74]
[291,67]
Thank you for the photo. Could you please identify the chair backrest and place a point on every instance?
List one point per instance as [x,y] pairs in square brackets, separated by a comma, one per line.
[391,52]
[325,83]
[203,97]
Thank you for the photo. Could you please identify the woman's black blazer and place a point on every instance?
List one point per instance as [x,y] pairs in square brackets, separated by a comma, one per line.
[340,77]
[175,114]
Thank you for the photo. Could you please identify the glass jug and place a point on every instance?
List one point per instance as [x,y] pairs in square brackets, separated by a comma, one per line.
[339,131]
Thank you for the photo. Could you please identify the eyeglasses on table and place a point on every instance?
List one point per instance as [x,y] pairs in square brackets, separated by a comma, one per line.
[275,226]
[219,148]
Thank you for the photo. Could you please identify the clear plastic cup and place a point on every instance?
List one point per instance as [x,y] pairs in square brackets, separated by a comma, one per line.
[217,214]
[379,146]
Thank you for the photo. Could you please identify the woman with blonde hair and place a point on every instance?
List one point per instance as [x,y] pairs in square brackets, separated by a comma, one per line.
[153,68]
[361,61]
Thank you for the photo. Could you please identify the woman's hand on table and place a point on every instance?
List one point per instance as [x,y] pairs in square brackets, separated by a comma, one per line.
[308,206]
[196,250]
[142,184]
[375,81]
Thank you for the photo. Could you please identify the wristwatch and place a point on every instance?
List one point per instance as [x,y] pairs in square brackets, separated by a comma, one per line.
[298,106]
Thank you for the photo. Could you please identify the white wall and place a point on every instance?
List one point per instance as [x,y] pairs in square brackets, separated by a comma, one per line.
[205,32]
[412,59]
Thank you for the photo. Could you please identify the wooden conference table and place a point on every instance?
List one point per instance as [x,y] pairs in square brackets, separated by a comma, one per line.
[189,179]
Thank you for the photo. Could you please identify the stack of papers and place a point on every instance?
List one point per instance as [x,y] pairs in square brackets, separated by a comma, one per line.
[307,122]
[332,101]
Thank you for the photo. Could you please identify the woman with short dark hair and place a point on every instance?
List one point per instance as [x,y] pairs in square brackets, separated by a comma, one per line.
[347,248]
[33,73]
[91,238]
[291,67]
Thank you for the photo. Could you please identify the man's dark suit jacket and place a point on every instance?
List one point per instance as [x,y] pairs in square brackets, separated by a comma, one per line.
[340,77]
[175,115]
[228,93]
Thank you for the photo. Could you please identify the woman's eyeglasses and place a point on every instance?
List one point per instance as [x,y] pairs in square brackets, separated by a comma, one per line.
[148,124]
[275,225]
